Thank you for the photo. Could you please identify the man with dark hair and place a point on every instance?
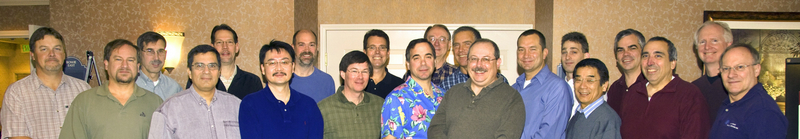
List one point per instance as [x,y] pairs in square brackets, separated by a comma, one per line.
[397,117]
[665,106]
[119,109]
[232,79]
[352,112]
[35,106]
[463,38]
[546,96]
[710,40]
[376,45]
[279,111]
[483,107]
[627,51]
[153,47]
[307,78]
[574,48]
[749,112]
[181,117]
[591,82]
[439,36]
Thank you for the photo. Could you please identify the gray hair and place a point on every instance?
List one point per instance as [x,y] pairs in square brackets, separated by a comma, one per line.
[727,35]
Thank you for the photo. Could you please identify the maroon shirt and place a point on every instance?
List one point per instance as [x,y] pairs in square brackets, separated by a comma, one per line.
[618,89]
[714,92]
[678,110]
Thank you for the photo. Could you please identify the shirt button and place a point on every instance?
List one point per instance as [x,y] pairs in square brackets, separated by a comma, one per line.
[284,109]
[212,125]
[726,110]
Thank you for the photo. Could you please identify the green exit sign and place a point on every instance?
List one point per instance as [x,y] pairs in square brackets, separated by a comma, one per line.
[26,48]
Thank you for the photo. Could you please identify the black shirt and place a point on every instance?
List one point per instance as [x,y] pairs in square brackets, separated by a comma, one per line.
[384,87]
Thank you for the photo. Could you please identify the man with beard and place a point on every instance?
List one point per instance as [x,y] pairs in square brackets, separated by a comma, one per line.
[546,96]
[376,45]
[150,78]
[232,79]
[35,106]
[483,107]
[352,113]
[627,51]
[397,116]
[463,38]
[202,111]
[665,106]
[308,79]
[710,40]
[117,110]
[278,111]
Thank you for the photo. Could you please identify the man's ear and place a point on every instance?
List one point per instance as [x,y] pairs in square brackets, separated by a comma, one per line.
[586,55]
[190,73]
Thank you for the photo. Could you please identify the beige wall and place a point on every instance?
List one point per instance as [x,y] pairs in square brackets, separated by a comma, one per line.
[89,25]
[601,20]
[420,12]
[18,17]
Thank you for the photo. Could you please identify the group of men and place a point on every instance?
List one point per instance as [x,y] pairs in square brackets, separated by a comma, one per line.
[434,99]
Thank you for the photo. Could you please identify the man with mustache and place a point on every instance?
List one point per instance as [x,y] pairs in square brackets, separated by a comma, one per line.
[202,111]
[153,47]
[279,111]
[665,106]
[397,116]
[117,110]
[463,38]
[574,48]
[749,112]
[710,40]
[627,51]
[546,96]
[232,79]
[376,45]
[35,106]
[352,113]
[483,107]
[308,79]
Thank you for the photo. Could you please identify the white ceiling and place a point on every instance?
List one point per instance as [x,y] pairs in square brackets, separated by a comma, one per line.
[23,2]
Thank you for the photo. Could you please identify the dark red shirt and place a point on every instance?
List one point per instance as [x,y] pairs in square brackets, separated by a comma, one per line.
[714,92]
[678,110]
[618,90]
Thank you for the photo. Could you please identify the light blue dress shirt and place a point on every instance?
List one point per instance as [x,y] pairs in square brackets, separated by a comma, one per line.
[165,88]
[547,105]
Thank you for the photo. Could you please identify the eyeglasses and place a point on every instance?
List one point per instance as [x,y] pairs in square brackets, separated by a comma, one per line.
[273,63]
[434,39]
[726,69]
[151,51]
[355,71]
[476,59]
[587,80]
[229,42]
[379,48]
[201,66]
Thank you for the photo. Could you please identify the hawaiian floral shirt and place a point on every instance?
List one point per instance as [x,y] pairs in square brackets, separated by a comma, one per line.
[407,111]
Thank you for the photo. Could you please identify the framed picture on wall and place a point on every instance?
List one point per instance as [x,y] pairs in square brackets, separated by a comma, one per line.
[776,35]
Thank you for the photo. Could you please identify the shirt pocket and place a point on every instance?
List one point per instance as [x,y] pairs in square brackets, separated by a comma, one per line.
[232,129]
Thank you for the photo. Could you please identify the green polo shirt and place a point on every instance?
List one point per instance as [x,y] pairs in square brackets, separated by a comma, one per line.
[95,113]
[346,120]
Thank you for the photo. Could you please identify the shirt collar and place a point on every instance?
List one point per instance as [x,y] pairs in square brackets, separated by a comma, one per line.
[415,87]
[232,75]
[591,107]
[137,91]
[753,92]
[199,98]
[490,86]
[161,77]
[39,84]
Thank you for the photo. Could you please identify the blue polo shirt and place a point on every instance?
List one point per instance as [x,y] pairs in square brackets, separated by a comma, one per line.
[756,115]
[262,116]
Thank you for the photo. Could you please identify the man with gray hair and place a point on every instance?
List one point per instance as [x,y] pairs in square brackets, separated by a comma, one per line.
[627,51]
[710,40]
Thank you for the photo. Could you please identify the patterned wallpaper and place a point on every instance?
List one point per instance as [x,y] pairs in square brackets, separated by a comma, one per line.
[18,17]
[601,20]
[417,12]
[90,24]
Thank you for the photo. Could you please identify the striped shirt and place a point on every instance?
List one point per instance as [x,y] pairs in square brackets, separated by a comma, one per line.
[590,108]
[34,110]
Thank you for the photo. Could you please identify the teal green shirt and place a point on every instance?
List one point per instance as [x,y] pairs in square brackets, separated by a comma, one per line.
[95,113]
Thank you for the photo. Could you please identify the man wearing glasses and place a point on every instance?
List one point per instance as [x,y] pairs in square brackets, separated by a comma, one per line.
[278,111]
[202,111]
[439,36]
[376,45]
[463,38]
[749,112]
[352,112]
[150,78]
[710,40]
[233,79]
[483,107]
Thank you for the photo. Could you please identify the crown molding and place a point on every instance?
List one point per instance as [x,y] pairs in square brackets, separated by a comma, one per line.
[23,2]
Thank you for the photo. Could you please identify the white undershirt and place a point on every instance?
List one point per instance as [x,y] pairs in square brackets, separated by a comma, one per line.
[526,83]
[648,83]
[227,82]
[155,83]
